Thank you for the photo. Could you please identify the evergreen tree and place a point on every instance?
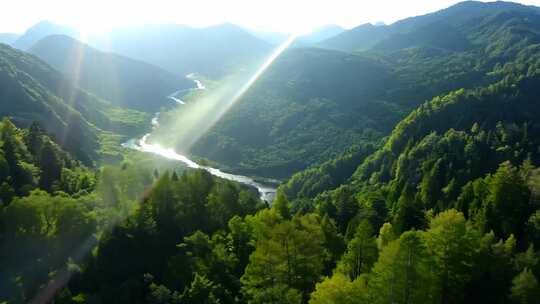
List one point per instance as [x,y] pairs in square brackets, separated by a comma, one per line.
[525,288]
[361,252]
[404,273]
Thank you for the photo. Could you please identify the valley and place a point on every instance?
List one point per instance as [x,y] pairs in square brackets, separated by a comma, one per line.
[386,162]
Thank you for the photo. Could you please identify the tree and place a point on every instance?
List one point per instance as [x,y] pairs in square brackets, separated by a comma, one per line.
[333,242]
[339,289]
[281,204]
[404,274]
[201,291]
[346,207]
[507,206]
[409,213]
[386,235]
[289,259]
[452,243]
[361,252]
[525,288]
[51,167]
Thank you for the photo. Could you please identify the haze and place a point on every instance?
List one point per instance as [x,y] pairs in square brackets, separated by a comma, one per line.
[293,16]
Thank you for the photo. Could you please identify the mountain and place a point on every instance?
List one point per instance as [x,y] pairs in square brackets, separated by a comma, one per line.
[118,79]
[506,57]
[8,38]
[30,90]
[274,38]
[315,36]
[314,103]
[322,33]
[309,105]
[212,51]
[425,30]
[41,30]
[362,37]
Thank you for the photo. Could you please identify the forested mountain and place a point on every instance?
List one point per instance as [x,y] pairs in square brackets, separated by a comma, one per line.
[340,99]
[31,90]
[120,80]
[427,30]
[8,38]
[360,38]
[322,33]
[308,106]
[41,30]
[211,51]
[315,36]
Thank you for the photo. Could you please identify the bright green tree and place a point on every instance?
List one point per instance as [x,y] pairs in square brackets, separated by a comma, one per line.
[361,252]
[404,273]
[525,288]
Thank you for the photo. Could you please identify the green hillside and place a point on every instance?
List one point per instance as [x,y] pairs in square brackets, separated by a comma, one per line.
[33,91]
[312,104]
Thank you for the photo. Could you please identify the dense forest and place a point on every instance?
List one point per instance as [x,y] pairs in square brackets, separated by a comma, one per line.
[410,163]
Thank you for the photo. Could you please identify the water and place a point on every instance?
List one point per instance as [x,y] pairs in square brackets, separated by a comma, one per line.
[267,192]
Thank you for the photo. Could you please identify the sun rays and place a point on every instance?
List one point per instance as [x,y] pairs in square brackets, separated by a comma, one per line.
[190,122]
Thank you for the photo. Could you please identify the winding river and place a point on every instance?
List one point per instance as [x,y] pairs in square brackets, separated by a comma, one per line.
[267,192]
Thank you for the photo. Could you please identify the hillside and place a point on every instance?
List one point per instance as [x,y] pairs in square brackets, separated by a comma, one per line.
[312,104]
[308,106]
[123,81]
[33,91]
[453,24]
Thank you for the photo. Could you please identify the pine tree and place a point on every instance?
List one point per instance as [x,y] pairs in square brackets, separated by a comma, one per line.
[525,288]
[361,252]
[404,273]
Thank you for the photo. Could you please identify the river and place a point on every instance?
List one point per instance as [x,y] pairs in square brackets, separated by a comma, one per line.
[266,191]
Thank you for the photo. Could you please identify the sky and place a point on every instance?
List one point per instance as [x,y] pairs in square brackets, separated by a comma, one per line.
[272,15]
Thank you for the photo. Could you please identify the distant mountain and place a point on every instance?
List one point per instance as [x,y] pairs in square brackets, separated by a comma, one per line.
[30,90]
[8,38]
[426,30]
[311,38]
[121,80]
[42,30]
[362,37]
[213,51]
[270,37]
[322,33]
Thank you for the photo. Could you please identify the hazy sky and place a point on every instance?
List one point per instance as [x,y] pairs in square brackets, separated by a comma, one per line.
[274,15]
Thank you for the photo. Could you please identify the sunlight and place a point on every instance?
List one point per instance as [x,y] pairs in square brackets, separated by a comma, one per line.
[193,120]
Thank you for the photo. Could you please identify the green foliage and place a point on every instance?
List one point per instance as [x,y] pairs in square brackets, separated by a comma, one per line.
[404,273]
[339,289]
[361,252]
[452,243]
[33,91]
[525,288]
[289,258]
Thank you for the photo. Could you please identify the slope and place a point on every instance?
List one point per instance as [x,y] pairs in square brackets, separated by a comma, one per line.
[281,124]
[32,91]
[121,80]
[430,29]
